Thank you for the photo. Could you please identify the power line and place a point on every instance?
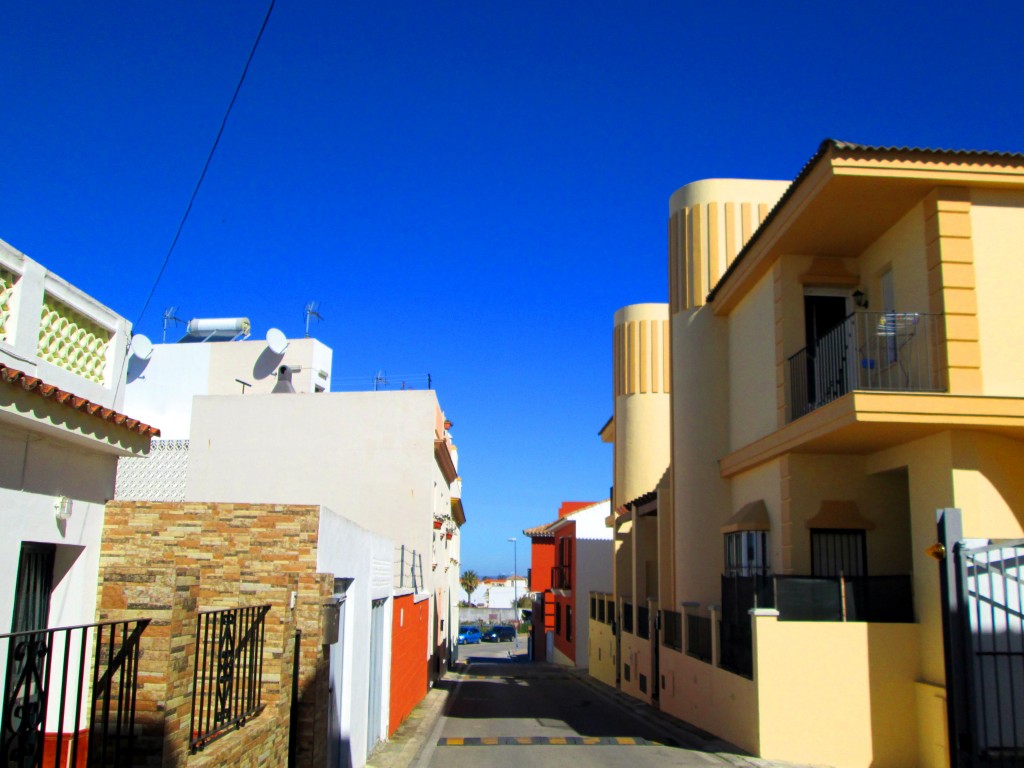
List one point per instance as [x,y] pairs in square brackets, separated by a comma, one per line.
[195,193]
[209,158]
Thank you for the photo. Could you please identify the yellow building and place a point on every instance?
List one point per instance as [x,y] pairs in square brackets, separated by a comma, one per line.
[842,367]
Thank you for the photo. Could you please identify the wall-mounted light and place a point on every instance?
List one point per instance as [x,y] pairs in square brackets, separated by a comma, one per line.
[62,508]
[860,299]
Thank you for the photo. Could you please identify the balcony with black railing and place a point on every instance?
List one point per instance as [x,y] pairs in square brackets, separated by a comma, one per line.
[872,351]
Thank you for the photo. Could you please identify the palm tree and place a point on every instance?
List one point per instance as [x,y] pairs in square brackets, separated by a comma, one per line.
[469,581]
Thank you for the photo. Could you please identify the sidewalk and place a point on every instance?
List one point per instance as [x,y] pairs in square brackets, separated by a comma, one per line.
[418,731]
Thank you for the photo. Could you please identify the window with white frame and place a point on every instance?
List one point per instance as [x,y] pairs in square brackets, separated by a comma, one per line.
[746,553]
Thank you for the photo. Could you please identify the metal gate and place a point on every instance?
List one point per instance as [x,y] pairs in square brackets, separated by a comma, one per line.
[376,693]
[983,611]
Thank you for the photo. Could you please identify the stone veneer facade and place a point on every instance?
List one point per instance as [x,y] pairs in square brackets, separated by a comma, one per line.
[169,561]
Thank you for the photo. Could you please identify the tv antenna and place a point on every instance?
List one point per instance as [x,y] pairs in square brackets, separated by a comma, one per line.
[171,316]
[312,310]
[381,379]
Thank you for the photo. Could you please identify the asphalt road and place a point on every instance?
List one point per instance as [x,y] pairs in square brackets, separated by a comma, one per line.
[504,710]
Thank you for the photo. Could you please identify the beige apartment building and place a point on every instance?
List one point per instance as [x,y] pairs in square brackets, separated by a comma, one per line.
[842,368]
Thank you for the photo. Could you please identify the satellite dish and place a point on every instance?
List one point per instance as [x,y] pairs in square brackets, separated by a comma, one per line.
[277,341]
[141,347]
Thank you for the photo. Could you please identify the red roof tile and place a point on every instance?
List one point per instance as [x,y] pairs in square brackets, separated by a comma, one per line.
[52,392]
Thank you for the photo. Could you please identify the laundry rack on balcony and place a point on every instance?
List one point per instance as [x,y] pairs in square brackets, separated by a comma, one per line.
[884,361]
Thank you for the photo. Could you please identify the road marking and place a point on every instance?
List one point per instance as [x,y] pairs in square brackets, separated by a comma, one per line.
[546,741]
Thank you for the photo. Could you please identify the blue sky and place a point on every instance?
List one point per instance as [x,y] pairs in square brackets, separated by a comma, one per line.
[470,190]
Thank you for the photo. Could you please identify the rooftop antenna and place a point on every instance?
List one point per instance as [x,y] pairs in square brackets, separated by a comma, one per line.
[312,310]
[380,379]
[171,316]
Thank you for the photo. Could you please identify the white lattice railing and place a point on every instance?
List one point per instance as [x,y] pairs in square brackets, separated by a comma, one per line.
[157,477]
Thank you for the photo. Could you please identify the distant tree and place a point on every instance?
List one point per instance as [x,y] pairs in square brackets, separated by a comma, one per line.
[470,581]
[525,601]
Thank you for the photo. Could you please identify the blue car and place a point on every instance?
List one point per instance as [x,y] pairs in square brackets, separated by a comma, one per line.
[469,635]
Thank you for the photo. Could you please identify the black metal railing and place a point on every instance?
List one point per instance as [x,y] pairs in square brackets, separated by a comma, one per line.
[409,565]
[91,719]
[886,351]
[672,629]
[698,637]
[561,577]
[627,617]
[226,688]
[643,622]
[876,599]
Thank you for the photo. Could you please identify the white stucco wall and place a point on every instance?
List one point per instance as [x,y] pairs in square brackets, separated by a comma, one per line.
[160,390]
[350,551]
[18,348]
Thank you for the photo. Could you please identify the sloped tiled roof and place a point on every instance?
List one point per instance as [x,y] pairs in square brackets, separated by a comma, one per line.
[823,148]
[37,386]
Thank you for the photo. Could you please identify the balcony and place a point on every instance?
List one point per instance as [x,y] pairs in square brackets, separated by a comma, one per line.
[561,577]
[873,351]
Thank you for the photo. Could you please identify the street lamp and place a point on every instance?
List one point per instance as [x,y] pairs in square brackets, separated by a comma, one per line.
[515,592]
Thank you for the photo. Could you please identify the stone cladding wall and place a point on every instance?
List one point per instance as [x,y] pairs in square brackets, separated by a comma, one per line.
[169,561]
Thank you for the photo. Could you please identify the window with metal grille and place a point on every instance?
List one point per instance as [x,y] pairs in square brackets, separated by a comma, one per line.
[558,619]
[746,553]
[568,622]
[600,610]
[593,608]
[838,551]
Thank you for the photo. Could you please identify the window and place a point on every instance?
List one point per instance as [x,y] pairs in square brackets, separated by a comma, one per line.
[568,622]
[746,554]
[838,551]
[600,610]
[593,608]
[558,619]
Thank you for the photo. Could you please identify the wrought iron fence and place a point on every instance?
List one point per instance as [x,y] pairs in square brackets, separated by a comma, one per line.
[698,637]
[672,629]
[885,351]
[409,569]
[91,719]
[226,690]
[643,622]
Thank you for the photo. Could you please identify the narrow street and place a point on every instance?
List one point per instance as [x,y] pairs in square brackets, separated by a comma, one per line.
[505,710]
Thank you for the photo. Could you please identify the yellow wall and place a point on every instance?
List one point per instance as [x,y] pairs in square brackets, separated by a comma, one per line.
[881,498]
[641,386]
[839,694]
[902,248]
[710,698]
[997,221]
[602,652]
[752,366]
[702,501]
[636,652]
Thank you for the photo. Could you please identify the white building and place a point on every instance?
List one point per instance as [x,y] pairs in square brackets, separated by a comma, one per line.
[62,429]
[382,460]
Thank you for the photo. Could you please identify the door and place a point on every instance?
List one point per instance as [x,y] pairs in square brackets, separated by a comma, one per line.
[827,369]
[375,715]
[21,738]
[983,590]
[336,682]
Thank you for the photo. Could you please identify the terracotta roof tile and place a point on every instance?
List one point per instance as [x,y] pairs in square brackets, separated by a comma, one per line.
[52,392]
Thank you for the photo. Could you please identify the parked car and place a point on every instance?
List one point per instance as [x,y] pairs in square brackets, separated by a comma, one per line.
[469,634]
[500,634]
